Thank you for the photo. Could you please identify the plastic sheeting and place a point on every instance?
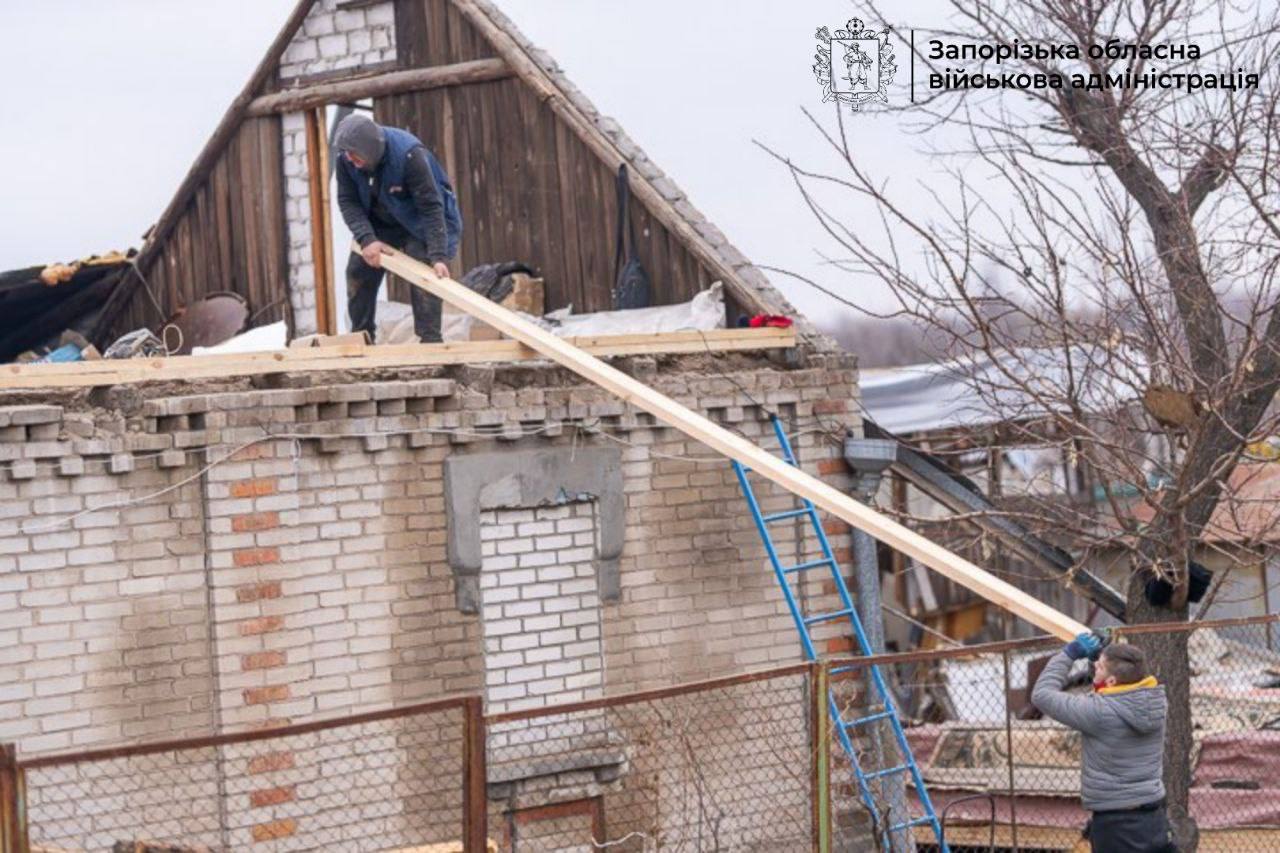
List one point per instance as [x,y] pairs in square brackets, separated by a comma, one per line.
[270,337]
[705,311]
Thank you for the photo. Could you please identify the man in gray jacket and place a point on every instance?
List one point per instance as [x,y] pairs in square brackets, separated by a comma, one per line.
[1122,728]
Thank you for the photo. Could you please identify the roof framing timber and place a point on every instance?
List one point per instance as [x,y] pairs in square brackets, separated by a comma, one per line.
[378,85]
[756,458]
[89,374]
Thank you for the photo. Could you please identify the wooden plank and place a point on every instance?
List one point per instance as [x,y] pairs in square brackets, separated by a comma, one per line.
[411,31]
[379,85]
[277,223]
[355,356]
[326,247]
[437,35]
[737,448]
[270,163]
[249,185]
[316,178]
[565,291]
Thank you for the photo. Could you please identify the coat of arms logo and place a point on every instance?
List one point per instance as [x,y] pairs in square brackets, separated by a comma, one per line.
[854,65]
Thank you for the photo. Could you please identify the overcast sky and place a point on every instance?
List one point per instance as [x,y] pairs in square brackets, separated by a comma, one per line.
[111,100]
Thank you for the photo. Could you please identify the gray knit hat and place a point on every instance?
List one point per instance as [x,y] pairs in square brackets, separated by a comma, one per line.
[362,136]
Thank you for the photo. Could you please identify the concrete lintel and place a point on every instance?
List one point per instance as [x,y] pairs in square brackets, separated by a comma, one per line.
[474,482]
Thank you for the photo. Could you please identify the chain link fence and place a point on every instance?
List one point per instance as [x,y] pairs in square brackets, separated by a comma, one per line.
[745,763]
[380,781]
[724,765]
[1006,778]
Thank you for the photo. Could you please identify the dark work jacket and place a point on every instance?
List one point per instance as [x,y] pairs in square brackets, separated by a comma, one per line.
[412,191]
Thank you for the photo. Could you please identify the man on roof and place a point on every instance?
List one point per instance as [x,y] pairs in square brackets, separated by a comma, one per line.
[1122,728]
[393,192]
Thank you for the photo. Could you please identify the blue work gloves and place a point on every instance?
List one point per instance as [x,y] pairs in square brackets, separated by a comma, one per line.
[1087,645]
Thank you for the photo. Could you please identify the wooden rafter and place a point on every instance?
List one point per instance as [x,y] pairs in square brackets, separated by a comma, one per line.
[379,85]
[88,374]
[735,447]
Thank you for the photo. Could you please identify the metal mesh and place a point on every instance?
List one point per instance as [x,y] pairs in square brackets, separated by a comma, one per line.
[374,785]
[725,765]
[722,768]
[970,713]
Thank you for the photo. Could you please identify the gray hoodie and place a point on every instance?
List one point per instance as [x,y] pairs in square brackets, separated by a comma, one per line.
[1123,734]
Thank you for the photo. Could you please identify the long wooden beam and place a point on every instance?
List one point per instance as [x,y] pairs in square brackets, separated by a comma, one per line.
[377,85]
[88,374]
[737,448]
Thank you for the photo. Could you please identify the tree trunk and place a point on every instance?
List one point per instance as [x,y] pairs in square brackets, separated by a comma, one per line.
[1167,653]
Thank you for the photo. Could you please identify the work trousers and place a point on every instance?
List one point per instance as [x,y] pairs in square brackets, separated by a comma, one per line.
[1141,830]
[363,282]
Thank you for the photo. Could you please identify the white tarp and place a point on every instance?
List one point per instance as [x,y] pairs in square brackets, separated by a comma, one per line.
[705,311]
[261,339]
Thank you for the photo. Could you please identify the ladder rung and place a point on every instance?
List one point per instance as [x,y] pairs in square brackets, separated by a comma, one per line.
[836,670]
[782,516]
[869,719]
[804,567]
[920,821]
[827,617]
[901,768]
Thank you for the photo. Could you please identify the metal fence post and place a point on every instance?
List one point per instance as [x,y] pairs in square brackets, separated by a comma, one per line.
[475,818]
[1008,740]
[13,807]
[820,726]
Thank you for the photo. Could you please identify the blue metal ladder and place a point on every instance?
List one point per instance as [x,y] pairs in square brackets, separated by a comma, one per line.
[844,728]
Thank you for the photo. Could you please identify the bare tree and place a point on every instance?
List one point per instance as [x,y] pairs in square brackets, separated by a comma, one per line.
[1104,262]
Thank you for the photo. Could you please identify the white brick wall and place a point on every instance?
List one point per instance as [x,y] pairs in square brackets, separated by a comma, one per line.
[297,210]
[541,606]
[331,39]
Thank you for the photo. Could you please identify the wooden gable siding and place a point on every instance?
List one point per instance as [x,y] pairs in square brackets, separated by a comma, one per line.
[529,189]
[434,32]
[230,236]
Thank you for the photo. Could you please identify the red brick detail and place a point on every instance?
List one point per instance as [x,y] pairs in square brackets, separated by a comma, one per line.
[261,625]
[253,451]
[251,521]
[830,407]
[832,466]
[842,555]
[833,526]
[244,557]
[263,695]
[253,488]
[261,660]
[269,762]
[271,796]
[275,829]
[257,592]
[837,645]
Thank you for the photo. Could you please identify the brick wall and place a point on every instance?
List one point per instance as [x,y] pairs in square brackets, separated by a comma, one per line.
[541,607]
[307,577]
[331,39]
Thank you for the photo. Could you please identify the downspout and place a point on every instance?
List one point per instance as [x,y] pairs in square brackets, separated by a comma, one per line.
[870,458]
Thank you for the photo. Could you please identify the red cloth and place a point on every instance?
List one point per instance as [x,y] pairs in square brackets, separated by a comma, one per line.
[777,321]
